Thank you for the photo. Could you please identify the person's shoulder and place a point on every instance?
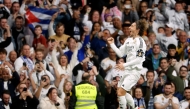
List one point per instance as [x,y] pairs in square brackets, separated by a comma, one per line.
[65,35]
[159,95]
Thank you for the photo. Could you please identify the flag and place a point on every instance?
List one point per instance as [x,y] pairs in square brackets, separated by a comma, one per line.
[38,16]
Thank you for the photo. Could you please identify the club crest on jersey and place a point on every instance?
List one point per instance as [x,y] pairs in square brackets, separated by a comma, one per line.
[140,53]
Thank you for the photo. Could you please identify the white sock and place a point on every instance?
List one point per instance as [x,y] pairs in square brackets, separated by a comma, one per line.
[122,102]
[130,100]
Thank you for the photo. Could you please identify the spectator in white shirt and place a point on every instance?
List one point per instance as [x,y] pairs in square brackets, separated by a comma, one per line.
[177,16]
[166,100]
[39,71]
[24,58]
[168,38]
[184,104]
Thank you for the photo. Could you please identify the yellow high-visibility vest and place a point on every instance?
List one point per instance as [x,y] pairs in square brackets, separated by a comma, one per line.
[86,96]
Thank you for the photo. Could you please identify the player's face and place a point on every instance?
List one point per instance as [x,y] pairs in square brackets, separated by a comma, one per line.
[187,94]
[133,29]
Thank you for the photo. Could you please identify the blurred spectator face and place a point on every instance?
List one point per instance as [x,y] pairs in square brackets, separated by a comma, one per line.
[140,81]
[162,75]
[106,35]
[172,52]
[187,94]
[6,98]
[28,83]
[2,56]
[164,64]
[21,87]
[161,30]
[97,27]
[12,56]
[95,16]
[167,89]
[183,72]
[72,44]
[19,23]
[120,61]
[168,30]
[38,67]
[143,7]
[152,38]
[182,37]
[5,75]
[38,31]
[26,50]
[138,93]
[8,4]
[150,76]
[126,31]
[116,22]
[68,86]
[63,61]
[15,7]
[178,7]
[111,53]
[156,49]
[76,14]
[3,23]
[60,30]
[39,55]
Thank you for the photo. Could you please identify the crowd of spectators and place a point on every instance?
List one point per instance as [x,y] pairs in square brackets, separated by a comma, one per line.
[40,71]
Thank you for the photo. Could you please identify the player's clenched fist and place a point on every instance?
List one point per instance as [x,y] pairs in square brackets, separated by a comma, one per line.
[110,40]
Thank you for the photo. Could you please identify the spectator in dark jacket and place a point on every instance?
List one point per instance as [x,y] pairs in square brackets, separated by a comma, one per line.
[8,82]
[25,100]
[5,103]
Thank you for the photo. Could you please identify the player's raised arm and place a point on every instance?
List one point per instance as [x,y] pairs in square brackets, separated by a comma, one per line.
[120,52]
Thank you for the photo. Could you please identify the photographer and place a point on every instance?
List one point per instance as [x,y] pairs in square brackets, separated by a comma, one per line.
[52,101]
[25,100]
[39,71]
[41,91]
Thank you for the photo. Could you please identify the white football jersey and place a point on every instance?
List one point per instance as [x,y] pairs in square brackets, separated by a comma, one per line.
[134,49]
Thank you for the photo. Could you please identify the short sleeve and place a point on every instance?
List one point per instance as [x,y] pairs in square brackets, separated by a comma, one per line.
[175,100]
[156,99]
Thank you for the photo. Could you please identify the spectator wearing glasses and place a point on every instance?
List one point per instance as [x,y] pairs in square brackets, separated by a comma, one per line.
[179,81]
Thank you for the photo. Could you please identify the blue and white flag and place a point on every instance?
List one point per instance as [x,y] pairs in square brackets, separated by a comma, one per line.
[38,16]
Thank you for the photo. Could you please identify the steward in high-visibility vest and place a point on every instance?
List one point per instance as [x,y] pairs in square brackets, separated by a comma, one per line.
[85,95]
